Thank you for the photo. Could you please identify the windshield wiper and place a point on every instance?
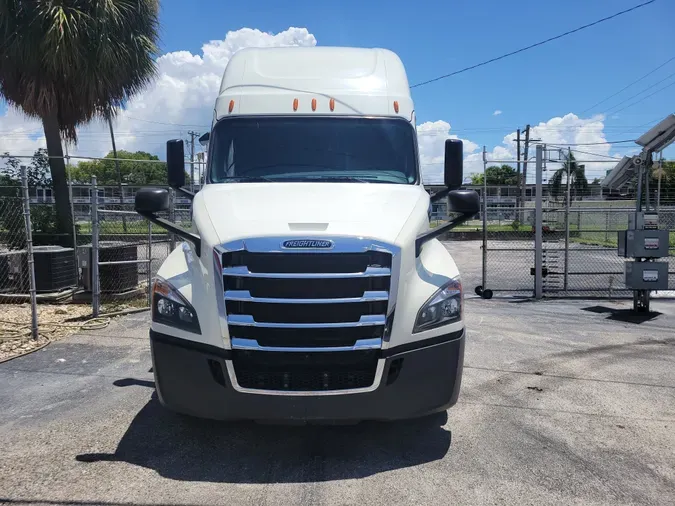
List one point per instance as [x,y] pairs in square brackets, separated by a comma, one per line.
[348,179]
[249,179]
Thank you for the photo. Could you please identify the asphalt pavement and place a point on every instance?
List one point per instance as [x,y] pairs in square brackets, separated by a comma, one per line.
[561,403]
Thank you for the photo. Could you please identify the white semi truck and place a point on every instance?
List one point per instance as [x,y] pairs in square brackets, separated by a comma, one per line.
[310,285]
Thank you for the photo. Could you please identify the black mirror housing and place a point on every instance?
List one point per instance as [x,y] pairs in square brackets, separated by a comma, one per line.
[464,202]
[175,163]
[151,200]
[454,164]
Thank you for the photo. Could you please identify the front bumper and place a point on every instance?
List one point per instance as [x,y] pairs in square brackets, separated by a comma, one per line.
[418,379]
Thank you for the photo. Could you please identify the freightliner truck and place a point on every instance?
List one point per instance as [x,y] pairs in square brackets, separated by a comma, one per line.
[310,285]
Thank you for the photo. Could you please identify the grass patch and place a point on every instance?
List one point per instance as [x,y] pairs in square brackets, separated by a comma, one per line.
[117,227]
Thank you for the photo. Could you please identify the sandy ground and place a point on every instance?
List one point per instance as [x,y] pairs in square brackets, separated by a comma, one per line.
[54,322]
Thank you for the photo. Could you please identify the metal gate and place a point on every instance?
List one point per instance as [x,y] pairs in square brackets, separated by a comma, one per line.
[557,245]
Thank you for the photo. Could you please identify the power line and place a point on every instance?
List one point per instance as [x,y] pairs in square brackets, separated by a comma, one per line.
[541,43]
[586,152]
[645,98]
[639,93]
[628,86]
[593,143]
[174,124]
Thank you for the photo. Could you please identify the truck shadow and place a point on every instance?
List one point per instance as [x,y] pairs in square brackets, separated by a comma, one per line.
[189,449]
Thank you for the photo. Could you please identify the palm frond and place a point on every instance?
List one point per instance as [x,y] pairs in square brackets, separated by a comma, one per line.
[80,58]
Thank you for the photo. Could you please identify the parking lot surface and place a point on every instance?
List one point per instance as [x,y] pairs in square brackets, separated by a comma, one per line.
[561,403]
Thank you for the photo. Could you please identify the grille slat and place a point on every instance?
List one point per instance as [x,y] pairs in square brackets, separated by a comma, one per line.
[306,313]
[307,288]
[303,263]
[245,296]
[243,271]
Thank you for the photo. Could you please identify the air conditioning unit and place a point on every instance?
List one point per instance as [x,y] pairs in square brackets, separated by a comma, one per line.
[54,268]
[13,273]
[115,278]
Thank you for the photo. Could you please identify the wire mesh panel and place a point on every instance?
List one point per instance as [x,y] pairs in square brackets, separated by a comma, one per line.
[14,280]
[509,251]
[124,253]
[586,263]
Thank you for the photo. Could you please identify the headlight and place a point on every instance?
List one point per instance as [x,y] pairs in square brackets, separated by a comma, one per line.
[444,306]
[171,308]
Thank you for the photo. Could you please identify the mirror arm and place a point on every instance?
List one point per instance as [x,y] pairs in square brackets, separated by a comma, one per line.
[439,195]
[175,229]
[431,234]
[185,192]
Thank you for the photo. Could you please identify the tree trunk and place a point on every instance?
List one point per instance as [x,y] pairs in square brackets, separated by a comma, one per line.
[57,166]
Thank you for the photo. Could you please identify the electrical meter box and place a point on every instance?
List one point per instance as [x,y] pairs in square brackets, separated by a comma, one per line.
[646,221]
[643,243]
[647,275]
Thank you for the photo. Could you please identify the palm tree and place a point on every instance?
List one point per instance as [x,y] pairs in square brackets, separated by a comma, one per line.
[578,181]
[659,172]
[70,61]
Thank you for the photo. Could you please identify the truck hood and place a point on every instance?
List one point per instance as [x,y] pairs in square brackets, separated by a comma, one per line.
[379,211]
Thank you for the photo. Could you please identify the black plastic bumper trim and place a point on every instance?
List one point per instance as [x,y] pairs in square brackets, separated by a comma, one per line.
[424,343]
[190,345]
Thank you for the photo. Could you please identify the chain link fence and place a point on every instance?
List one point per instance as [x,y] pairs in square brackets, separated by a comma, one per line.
[103,266]
[578,245]
[13,243]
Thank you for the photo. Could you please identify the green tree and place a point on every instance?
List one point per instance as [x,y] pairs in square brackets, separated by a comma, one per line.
[43,217]
[133,172]
[497,176]
[37,171]
[70,61]
[578,182]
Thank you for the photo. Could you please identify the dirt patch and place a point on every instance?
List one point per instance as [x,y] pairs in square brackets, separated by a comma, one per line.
[54,322]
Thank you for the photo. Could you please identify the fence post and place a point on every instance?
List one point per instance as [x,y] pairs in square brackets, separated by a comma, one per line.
[95,286]
[149,263]
[29,253]
[538,224]
[72,212]
[484,280]
[172,216]
[567,220]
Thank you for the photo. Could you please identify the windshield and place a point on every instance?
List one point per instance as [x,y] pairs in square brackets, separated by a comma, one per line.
[308,149]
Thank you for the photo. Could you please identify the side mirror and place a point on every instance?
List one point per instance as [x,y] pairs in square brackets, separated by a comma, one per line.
[151,200]
[175,163]
[465,202]
[454,164]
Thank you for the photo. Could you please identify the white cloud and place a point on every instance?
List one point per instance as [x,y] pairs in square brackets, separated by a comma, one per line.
[497,112]
[19,134]
[431,138]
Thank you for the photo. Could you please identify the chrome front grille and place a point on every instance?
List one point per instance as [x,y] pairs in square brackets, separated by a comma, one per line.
[282,301]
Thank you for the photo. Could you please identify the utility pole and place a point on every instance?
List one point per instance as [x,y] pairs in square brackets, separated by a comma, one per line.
[524,179]
[518,190]
[192,135]
[119,172]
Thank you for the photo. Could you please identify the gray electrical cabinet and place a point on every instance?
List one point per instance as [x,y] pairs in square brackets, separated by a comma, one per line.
[647,275]
[643,243]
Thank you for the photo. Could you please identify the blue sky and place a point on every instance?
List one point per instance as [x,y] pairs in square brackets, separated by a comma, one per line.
[433,38]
